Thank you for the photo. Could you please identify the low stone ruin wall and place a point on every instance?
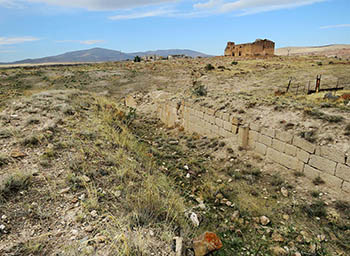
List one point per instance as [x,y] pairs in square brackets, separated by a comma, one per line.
[281,147]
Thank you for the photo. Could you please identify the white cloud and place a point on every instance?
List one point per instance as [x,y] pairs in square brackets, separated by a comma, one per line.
[100,5]
[336,26]
[244,7]
[90,42]
[200,7]
[87,42]
[16,40]
[139,15]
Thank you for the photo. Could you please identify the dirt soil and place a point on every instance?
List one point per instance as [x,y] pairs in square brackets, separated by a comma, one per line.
[82,175]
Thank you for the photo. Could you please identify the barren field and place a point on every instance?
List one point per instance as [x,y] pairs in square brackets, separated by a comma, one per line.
[81,174]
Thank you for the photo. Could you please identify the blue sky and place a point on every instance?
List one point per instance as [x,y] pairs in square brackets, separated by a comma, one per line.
[38,28]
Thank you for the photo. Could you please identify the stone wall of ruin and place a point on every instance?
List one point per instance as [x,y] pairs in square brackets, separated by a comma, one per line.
[258,48]
[281,147]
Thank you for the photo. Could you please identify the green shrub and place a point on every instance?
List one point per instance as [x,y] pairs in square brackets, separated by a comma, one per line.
[200,91]
[234,63]
[137,59]
[209,67]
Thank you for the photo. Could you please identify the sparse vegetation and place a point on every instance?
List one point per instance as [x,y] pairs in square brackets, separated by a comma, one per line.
[209,67]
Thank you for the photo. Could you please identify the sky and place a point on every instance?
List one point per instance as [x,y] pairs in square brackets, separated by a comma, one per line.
[39,28]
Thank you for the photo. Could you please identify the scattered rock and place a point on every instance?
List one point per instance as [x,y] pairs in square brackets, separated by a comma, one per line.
[284,192]
[277,237]
[94,213]
[264,220]
[18,154]
[279,251]
[173,142]
[178,245]
[85,178]
[206,243]
[285,217]
[235,216]
[194,219]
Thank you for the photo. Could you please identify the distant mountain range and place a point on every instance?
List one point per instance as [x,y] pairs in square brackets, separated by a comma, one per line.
[104,55]
[339,50]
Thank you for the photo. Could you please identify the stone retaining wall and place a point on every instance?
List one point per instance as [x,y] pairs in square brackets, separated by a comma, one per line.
[281,147]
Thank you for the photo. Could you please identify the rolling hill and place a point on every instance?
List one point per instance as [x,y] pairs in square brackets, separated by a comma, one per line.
[104,55]
[339,50]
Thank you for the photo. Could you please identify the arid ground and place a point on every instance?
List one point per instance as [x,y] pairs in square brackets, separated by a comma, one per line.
[81,174]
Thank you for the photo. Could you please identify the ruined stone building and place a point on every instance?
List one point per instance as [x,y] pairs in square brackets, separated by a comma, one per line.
[258,48]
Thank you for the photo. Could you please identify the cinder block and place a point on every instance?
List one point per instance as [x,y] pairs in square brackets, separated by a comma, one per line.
[206,117]
[226,117]
[260,148]
[210,111]
[311,172]
[252,138]
[332,154]
[332,181]
[254,127]
[212,119]
[303,155]
[235,121]
[285,160]
[219,122]
[278,145]
[322,164]
[268,132]
[234,129]
[346,186]
[227,126]
[303,144]
[243,133]
[290,150]
[343,171]
[265,140]
[284,136]
[222,132]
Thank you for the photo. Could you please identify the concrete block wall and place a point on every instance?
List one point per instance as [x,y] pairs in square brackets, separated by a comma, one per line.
[297,154]
[281,147]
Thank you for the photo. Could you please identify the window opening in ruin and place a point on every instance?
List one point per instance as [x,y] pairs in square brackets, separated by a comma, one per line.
[233,54]
[240,53]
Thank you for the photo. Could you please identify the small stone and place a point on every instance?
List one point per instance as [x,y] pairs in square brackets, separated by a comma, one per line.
[17,154]
[82,197]
[277,237]
[174,142]
[64,190]
[178,246]
[89,228]
[219,181]
[321,238]
[186,167]
[206,243]
[228,203]
[194,219]
[3,217]
[235,216]
[264,220]
[2,227]
[85,178]
[285,217]
[188,175]
[100,239]
[279,251]
[284,192]
[94,213]
[202,206]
